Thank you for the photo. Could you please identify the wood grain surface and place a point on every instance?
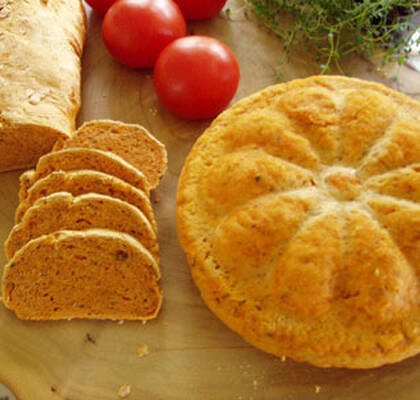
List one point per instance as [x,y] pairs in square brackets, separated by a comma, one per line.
[191,354]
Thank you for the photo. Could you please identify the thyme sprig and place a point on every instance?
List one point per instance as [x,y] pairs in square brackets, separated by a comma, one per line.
[334,29]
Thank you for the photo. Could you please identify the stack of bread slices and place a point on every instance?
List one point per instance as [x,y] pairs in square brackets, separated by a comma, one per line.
[85,240]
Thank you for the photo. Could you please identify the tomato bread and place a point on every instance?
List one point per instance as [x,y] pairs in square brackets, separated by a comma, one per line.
[25,182]
[133,143]
[63,211]
[86,181]
[96,273]
[86,218]
[77,159]
[40,95]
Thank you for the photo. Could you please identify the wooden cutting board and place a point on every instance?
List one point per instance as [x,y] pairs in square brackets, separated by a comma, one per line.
[191,354]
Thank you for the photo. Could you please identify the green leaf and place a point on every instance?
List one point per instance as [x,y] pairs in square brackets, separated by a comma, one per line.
[333,29]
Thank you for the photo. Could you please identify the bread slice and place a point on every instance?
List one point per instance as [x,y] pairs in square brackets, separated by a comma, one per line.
[131,142]
[25,181]
[76,159]
[86,181]
[95,274]
[41,46]
[63,211]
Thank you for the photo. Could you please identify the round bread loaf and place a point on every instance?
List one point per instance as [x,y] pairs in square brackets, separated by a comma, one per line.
[299,212]
[62,211]
[82,274]
[86,181]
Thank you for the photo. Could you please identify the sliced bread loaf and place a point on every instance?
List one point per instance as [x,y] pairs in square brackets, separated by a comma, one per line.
[131,142]
[63,211]
[82,274]
[86,181]
[77,159]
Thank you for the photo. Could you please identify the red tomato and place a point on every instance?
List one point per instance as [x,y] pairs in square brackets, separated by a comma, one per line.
[200,9]
[101,6]
[135,31]
[196,77]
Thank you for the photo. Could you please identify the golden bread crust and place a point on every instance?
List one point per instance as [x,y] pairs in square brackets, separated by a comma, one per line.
[41,45]
[63,211]
[298,210]
[73,159]
[132,142]
[86,181]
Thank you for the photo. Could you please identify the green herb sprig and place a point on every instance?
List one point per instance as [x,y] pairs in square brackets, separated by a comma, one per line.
[334,29]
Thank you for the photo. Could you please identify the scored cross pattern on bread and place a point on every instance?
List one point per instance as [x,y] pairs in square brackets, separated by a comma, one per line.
[299,212]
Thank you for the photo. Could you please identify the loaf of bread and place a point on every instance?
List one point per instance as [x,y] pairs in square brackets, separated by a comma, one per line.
[82,274]
[299,212]
[86,181]
[41,45]
[131,142]
[63,211]
[85,244]
[77,159]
